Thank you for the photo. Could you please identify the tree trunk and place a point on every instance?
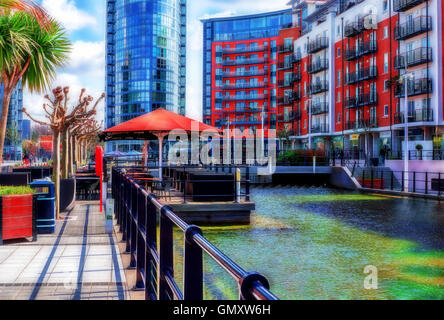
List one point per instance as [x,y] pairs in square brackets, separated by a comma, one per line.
[4,119]
[71,154]
[64,160]
[56,169]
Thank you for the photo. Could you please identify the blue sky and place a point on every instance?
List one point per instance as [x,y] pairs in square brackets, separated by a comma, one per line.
[85,22]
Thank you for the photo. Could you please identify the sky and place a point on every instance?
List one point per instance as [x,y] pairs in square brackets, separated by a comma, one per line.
[84,21]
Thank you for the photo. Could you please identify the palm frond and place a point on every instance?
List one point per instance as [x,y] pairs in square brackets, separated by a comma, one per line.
[28,6]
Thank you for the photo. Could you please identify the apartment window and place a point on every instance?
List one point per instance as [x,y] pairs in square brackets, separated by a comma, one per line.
[305,123]
[386,111]
[386,85]
[339,118]
[385,5]
[338,99]
[338,79]
[338,29]
[385,32]
[386,63]
[338,52]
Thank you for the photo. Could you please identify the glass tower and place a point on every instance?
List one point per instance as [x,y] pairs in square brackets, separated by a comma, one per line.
[13,142]
[146,55]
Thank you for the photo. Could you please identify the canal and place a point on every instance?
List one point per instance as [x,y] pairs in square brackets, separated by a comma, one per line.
[314,243]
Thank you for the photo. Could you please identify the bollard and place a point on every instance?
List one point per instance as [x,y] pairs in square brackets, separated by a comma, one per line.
[109,211]
[314,164]
[238,185]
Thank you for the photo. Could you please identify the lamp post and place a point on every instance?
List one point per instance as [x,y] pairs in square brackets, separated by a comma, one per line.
[309,124]
[405,79]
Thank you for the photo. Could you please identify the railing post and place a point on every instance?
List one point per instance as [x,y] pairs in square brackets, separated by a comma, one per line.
[371,178]
[391,180]
[426,183]
[414,181]
[150,262]
[439,185]
[141,248]
[165,256]
[403,180]
[193,266]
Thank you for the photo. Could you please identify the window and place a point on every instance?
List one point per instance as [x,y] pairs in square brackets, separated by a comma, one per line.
[338,79]
[386,63]
[386,111]
[385,5]
[385,32]
[338,99]
[339,118]
[386,85]
[339,52]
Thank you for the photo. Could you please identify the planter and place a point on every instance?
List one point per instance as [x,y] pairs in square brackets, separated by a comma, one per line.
[17,217]
[67,194]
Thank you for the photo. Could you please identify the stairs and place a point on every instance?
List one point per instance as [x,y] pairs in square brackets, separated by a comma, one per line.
[382,176]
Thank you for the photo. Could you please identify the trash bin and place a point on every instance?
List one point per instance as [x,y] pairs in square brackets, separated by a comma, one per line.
[45,203]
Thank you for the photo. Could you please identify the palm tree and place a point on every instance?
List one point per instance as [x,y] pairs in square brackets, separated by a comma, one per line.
[27,6]
[30,53]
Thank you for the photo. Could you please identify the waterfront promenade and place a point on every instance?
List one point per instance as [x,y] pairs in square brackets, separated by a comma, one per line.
[79,262]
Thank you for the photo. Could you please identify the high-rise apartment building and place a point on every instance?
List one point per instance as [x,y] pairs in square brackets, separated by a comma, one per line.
[145,62]
[240,63]
[12,149]
[339,71]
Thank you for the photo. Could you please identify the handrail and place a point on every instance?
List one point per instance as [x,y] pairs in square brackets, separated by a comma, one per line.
[137,211]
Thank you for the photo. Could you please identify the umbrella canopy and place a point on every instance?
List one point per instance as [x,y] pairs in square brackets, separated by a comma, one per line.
[150,125]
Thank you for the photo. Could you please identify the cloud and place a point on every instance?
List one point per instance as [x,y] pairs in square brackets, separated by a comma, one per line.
[66,12]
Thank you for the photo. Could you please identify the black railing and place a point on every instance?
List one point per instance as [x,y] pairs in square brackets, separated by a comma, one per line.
[404,5]
[318,66]
[246,85]
[354,28]
[361,124]
[285,48]
[425,183]
[420,115]
[413,28]
[320,128]
[318,45]
[245,49]
[361,100]
[318,86]
[243,61]
[435,154]
[244,73]
[413,58]
[414,88]
[364,48]
[147,227]
[319,107]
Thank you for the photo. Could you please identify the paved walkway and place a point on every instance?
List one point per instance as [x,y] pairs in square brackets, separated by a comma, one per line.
[79,262]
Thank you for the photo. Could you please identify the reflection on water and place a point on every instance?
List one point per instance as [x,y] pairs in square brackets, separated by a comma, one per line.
[314,243]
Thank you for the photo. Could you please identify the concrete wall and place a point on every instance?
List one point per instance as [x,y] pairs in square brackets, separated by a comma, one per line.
[417,165]
[339,178]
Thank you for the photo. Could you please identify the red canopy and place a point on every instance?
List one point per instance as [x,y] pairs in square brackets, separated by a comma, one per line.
[158,121]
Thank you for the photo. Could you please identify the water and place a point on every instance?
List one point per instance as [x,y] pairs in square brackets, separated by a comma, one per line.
[314,243]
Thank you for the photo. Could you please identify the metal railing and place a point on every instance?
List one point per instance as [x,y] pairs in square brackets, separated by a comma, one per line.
[426,183]
[147,226]
[414,87]
[420,115]
[318,45]
[413,58]
[404,5]
[413,28]
[318,66]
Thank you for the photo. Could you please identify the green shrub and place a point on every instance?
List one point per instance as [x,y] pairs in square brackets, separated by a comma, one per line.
[7,191]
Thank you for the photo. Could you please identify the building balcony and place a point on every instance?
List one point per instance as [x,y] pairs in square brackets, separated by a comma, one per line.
[318,86]
[414,88]
[420,115]
[317,45]
[245,110]
[289,117]
[285,48]
[246,122]
[413,58]
[243,62]
[287,65]
[244,74]
[319,107]
[297,76]
[297,57]
[354,28]
[361,100]
[318,66]
[285,83]
[247,85]
[404,5]
[245,49]
[242,98]
[361,75]
[367,47]
[413,28]
[320,128]
[362,124]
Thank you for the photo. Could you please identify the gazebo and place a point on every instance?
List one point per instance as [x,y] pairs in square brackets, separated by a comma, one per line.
[157,124]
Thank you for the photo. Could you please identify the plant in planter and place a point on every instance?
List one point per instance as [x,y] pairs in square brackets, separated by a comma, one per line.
[419,149]
[17,213]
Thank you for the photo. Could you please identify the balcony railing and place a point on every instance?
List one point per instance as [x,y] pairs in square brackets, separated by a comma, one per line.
[360,75]
[242,97]
[285,83]
[404,5]
[285,48]
[362,124]
[420,115]
[243,62]
[318,86]
[297,76]
[414,88]
[320,128]
[361,100]
[318,66]
[413,28]
[289,99]
[245,49]
[245,85]
[354,28]
[244,73]
[286,65]
[413,58]
[289,117]
[318,45]
[319,107]
[364,48]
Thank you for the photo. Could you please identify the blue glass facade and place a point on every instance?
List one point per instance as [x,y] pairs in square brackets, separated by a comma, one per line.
[231,29]
[146,55]
[13,149]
